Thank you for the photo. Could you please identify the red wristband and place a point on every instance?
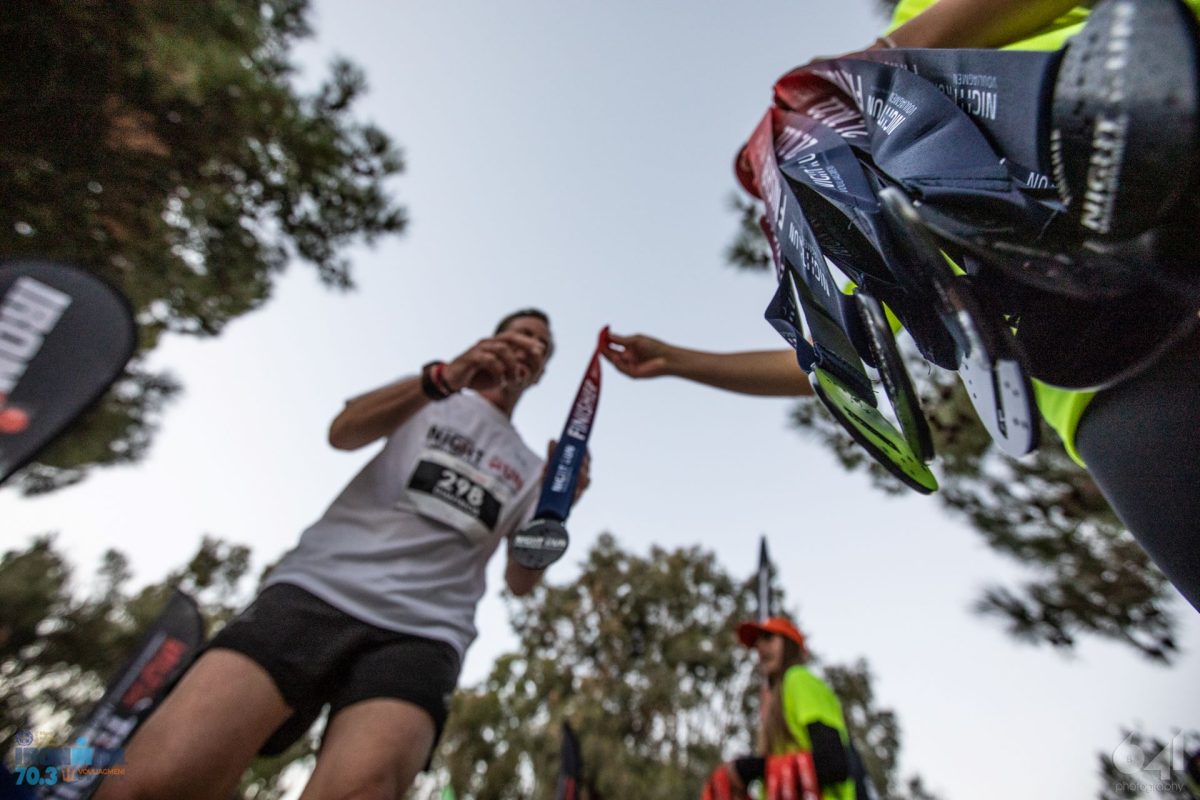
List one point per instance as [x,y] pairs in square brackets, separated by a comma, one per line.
[430,383]
[439,378]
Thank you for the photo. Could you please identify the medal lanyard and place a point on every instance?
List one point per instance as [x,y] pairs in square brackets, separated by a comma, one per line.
[807,290]
[544,540]
[562,472]
[852,128]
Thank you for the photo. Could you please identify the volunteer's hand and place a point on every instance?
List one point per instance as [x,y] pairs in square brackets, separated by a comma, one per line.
[640,356]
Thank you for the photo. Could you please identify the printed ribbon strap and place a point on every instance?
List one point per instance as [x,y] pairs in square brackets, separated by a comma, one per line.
[900,106]
[927,145]
[544,540]
[957,131]
[807,290]
[884,161]
[962,132]
[1098,141]
[855,130]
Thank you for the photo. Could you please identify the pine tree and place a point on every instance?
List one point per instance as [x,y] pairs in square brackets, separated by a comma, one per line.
[639,655]
[163,146]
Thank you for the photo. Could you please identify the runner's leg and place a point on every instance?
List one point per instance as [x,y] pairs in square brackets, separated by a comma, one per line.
[385,717]
[207,731]
[372,750]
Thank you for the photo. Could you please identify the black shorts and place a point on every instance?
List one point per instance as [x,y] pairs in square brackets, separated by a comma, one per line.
[318,655]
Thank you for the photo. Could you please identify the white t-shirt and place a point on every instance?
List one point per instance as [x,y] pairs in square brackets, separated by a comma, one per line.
[405,546]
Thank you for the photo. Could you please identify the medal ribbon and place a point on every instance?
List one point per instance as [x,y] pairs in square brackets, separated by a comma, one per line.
[562,472]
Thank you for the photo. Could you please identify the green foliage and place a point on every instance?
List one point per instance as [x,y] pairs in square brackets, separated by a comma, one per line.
[875,731]
[1044,512]
[749,249]
[118,431]
[163,146]
[1144,766]
[639,655]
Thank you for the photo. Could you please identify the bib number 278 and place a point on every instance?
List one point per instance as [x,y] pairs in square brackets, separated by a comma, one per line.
[451,483]
[454,496]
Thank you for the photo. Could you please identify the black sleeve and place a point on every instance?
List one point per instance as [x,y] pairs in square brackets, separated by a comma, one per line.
[750,768]
[829,754]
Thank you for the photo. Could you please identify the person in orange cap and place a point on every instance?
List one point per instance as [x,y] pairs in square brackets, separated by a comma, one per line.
[802,736]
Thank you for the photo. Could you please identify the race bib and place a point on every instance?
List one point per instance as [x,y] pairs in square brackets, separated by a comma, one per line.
[451,491]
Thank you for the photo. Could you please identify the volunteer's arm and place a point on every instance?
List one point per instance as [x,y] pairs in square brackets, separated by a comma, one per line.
[744,771]
[828,754]
[979,23]
[485,365]
[829,757]
[771,373]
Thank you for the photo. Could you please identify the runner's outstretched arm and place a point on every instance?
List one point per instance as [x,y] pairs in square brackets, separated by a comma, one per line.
[979,23]
[487,364]
[375,414]
[767,373]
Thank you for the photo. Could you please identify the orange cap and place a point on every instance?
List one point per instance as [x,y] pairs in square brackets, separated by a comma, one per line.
[748,632]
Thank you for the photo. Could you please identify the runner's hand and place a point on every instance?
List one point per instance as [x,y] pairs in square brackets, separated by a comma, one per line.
[639,356]
[505,358]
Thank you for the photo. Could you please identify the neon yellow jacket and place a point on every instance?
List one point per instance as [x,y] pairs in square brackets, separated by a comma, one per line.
[808,699]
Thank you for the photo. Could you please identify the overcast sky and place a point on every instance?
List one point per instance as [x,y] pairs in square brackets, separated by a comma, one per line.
[576,156]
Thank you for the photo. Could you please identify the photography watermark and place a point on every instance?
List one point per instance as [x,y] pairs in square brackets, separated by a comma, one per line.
[39,761]
[1146,764]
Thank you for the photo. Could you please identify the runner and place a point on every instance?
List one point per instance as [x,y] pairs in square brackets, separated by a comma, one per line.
[1138,438]
[372,612]
[800,715]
